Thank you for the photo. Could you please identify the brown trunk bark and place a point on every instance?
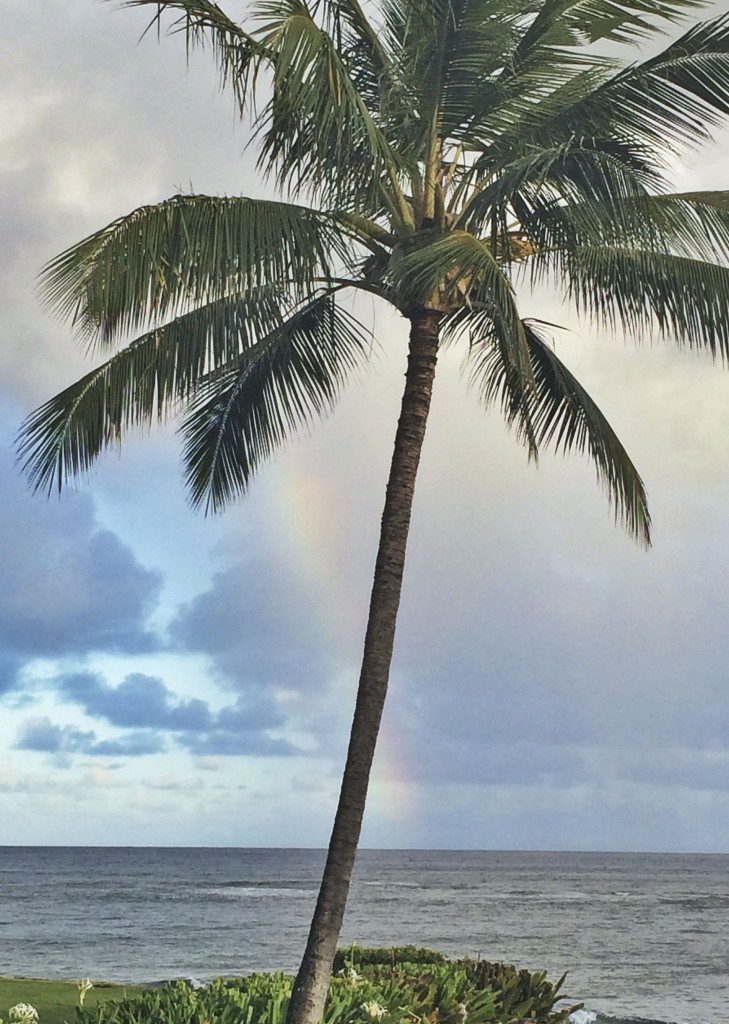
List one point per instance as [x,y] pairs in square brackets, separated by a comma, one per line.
[312,982]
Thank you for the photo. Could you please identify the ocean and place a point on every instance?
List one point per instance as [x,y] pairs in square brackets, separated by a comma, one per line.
[642,936]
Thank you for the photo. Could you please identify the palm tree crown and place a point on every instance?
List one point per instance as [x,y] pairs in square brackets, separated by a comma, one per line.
[438,154]
[446,150]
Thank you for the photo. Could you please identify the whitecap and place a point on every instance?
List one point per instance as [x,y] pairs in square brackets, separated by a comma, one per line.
[582,1017]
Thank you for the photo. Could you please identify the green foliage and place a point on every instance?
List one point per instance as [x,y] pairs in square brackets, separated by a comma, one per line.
[260,998]
[400,985]
[439,989]
[521,993]
[363,956]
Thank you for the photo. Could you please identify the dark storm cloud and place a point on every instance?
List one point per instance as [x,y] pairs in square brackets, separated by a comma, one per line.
[144,702]
[258,711]
[69,587]
[41,736]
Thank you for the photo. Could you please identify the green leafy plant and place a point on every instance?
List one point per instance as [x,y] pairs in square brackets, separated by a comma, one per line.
[520,993]
[386,990]
[362,956]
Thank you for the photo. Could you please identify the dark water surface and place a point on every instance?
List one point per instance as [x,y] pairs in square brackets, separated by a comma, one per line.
[641,935]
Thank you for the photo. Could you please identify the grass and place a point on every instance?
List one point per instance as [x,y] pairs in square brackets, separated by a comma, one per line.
[56,1001]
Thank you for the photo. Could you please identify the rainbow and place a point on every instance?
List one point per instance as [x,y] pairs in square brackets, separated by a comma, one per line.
[313,537]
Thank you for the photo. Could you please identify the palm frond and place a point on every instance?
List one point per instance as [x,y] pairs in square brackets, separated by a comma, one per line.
[459,274]
[649,293]
[161,260]
[693,225]
[554,409]
[584,172]
[246,410]
[448,56]
[697,223]
[436,267]
[154,373]
[362,50]
[479,71]
[528,106]
[689,224]
[317,133]
[574,22]
[671,99]
[238,54]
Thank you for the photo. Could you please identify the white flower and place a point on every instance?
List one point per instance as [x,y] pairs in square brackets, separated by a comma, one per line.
[374,1010]
[351,976]
[462,1011]
[24,1013]
[83,987]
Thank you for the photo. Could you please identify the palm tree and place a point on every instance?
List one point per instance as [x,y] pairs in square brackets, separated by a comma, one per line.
[436,154]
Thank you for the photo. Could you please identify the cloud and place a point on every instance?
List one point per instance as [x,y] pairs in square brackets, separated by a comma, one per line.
[82,146]
[9,666]
[139,701]
[69,586]
[259,628]
[170,784]
[145,702]
[41,736]
[221,743]
[527,660]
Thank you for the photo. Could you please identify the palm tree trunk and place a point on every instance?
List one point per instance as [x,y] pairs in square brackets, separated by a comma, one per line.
[312,982]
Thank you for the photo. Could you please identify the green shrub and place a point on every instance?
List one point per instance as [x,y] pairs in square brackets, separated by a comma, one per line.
[256,999]
[363,956]
[441,989]
[377,988]
[520,993]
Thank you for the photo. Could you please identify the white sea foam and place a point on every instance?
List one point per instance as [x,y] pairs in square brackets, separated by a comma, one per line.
[583,1017]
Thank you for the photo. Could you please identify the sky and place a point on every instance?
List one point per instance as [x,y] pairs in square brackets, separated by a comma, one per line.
[171,679]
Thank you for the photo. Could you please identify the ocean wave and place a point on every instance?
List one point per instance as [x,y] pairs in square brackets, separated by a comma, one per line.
[609,1018]
[381,883]
[697,901]
[582,1017]
[272,885]
[259,892]
[600,1017]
